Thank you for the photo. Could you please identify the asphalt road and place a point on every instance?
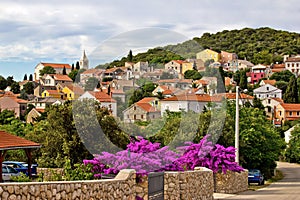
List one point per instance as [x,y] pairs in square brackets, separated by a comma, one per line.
[286,189]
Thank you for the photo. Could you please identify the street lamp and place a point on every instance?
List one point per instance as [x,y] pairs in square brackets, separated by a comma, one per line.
[237,125]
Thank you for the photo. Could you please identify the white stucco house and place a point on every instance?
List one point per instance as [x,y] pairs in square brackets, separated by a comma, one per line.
[267,91]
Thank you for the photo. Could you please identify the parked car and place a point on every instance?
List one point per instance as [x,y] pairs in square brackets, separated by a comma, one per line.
[22,167]
[8,172]
[255,176]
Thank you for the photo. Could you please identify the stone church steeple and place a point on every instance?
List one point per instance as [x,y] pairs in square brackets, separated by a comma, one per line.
[84,61]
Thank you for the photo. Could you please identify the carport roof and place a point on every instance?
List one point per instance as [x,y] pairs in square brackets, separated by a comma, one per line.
[9,142]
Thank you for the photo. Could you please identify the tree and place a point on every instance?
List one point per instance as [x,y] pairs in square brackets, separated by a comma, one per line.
[192,74]
[221,80]
[73,75]
[73,67]
[91,84]
[292,153]
[291,94]
[3,83]
[257,103]
[10,80]
[28,88]
[64,72]
[243,80]
[47,70]
[15,88]
[25,77]
[129,57]
[77,65]
[30,77]
[284,75]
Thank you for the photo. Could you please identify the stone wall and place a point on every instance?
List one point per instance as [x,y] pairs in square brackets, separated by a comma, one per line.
[122,187]
[231,182]
[197,184]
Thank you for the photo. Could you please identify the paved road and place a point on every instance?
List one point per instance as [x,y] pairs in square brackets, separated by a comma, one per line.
[286,189]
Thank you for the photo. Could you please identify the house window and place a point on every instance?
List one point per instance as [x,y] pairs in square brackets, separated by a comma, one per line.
[269,101]
[134,108]
[279,113]
[269,109]
[70,95]
[153,116]
[288,65]
[298,113]
[134,117]
[142,116]
[291,113]
[268,88]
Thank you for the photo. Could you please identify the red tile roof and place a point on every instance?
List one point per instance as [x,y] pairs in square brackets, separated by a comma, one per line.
[195,97]
[145,104]
[57,65]
[293,59]
[61,77]
[9,141]
[271,82]
[291,106]
[102,97]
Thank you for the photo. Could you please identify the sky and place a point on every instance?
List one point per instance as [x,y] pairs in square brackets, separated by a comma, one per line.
[34,31]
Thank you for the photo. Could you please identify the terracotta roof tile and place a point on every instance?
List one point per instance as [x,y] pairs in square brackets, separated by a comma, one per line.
[61,77]
[271,82]
[57,65]
[291,106]
[102,97]
[9,141]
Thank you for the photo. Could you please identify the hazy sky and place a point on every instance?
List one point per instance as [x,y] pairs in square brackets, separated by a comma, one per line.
[58,31]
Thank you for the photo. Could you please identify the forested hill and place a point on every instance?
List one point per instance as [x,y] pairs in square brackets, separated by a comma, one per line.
[262,45]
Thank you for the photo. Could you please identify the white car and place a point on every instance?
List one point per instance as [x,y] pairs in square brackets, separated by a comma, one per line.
[8,172]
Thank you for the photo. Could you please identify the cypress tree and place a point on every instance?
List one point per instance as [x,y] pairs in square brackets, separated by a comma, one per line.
[129,57]
[73,67]
[64,72]
[25,77]
[77,65]
[30,77]
[291,93]
[243,80]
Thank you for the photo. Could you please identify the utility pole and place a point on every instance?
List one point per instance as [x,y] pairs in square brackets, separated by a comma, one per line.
[237,135]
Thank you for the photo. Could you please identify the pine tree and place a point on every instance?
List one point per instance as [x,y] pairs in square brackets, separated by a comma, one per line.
[25,77]
[64,72]
[77,65]
[30,77]
[243,80]
[291,94]
[129,57]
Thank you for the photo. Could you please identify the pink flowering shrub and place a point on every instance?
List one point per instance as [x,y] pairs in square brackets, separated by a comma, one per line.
[145,157]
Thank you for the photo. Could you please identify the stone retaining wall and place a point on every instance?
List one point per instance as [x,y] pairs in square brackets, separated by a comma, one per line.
[122,187]
[197,184]
[231,182]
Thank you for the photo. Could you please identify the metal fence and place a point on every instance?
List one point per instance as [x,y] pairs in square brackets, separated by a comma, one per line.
[156,186]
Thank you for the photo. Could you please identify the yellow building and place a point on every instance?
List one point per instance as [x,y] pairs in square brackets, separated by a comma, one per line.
[53,93]
[287,111]
[208,54]
[186,66]
[72,92]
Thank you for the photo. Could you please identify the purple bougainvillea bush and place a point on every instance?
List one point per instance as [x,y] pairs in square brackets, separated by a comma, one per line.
[146,157]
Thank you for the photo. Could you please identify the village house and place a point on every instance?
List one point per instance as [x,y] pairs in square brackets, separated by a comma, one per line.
[91,73]
[270,104]
[287,112]
[57,66]
[144,110]
[11,102]
[267,91]
[179,66]
[257,73]
[166,91]
[177,83]
[292,64]
[103,98]
[264,82]
[54,79]
[208,54]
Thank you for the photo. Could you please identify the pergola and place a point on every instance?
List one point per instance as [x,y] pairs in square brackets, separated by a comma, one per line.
[12,142]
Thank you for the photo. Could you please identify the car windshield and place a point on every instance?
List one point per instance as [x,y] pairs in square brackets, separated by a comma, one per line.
[254,172]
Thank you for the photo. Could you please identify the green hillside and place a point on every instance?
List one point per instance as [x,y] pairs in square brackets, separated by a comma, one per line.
[262,45]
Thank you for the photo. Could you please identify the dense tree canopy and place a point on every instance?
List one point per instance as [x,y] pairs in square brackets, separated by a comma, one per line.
[47,70]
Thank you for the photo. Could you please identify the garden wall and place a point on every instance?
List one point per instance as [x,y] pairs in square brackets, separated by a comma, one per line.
[231,182]
[122,187]
[197,184]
